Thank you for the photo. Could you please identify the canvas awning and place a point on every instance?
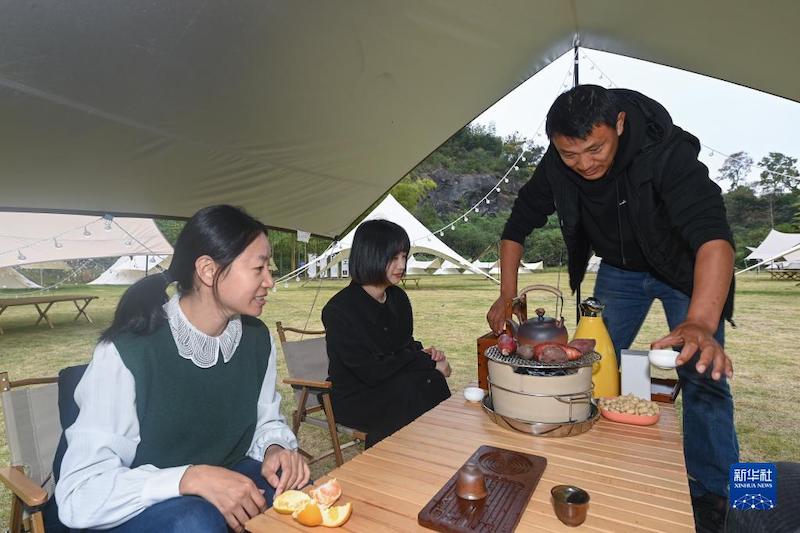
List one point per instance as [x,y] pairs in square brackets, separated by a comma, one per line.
[27,238]
[306,112]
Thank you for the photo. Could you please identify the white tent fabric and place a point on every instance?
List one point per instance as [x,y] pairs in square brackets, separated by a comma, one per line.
[129,269]
[775,243]
[494,269]
[160,108]
[530,267]
[11,279]
[415,267]
[449,268]
[38,237]
[422,240]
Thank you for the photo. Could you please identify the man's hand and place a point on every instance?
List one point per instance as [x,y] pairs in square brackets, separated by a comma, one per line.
[294,469]
[444,367]
[694,336]
[233,494]
[496,317]
[435,353]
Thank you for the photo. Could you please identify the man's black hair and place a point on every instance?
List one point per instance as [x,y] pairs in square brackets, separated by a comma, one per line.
[576,112]
[375,243]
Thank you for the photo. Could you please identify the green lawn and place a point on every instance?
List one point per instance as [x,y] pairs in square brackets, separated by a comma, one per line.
[450,313]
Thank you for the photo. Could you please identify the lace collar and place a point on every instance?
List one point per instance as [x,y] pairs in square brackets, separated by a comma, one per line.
[203,350]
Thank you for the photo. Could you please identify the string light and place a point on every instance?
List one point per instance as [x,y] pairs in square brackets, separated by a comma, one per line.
[107,225]
[711,151]
[497,189]
[466,219]
[128,242]
[86,232]
[20,256]
[505,180]
[56,243]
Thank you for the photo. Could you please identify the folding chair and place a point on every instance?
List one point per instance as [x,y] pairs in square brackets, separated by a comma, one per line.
[30,408]
[35,410]
[307,364]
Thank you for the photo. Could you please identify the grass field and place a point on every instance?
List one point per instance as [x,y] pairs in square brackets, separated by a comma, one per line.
[449,313]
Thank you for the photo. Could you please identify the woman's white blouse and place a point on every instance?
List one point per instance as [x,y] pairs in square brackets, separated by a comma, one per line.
[97,487]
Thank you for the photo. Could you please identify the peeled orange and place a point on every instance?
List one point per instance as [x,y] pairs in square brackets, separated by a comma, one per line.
[309,515]
[336,516]
[327,493]
[290,501]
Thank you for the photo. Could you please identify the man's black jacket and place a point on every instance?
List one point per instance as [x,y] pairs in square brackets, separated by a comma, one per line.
[673,206]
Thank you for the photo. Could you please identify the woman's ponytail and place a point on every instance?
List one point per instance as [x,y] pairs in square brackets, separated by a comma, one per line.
[140,309]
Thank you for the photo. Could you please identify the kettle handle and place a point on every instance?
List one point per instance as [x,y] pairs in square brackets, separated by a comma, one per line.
[545,288]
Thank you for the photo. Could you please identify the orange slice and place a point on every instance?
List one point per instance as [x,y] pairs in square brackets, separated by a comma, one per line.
[290,501]
[310,515]
[327,493]
[336,516]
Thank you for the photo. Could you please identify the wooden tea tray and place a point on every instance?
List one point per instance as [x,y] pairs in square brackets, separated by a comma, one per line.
[510,477]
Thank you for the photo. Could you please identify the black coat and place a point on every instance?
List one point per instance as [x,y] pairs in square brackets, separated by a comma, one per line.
[382,380]
[673,205]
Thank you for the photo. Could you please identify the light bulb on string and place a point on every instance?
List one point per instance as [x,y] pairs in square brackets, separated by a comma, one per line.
[523,159]
[477,210]
[56,243]
[441,233]
[86,232]
[711,153]
[107,225]
[466,219]
[516,167]
[453,227]
[497,189]
[505,180]
[488,201]
[128,242]
[20,256]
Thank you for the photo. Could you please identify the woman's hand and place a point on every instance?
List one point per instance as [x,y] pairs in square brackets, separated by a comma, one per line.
[435,353]
[293,467]
[444,367]
[233,494]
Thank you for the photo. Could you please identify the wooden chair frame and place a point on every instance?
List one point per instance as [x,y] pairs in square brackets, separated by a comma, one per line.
[26,493]
[322,389]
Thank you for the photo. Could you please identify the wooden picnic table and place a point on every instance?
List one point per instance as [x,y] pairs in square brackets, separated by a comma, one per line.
[415,279]
[47,302]
[635,475]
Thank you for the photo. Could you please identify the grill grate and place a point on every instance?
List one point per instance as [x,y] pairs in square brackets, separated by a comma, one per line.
[493,353]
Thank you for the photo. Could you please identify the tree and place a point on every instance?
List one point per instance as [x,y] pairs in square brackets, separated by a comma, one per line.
[779,175]
[170,228]
[409,191]
[735,169]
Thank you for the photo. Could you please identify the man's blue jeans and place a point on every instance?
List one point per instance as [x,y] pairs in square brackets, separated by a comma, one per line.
[186,514]
[709,437]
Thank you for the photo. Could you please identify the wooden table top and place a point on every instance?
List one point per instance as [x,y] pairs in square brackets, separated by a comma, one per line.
[636,476]
[8,302]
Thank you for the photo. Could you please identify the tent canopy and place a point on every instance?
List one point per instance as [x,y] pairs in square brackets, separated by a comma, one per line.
[38,237]
[306,112]
[11,279]
[776,243]
[129,269]
[422,241]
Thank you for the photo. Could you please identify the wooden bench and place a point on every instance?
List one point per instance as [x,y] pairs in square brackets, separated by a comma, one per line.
[47,302]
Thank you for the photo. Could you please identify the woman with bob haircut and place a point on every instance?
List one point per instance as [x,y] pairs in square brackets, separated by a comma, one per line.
[382,378]
[179,426]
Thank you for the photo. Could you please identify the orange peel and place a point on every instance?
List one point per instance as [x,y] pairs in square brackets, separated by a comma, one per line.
[336,516]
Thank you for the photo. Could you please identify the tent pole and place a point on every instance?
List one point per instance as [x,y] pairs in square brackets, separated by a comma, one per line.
[575,81]
[576,46]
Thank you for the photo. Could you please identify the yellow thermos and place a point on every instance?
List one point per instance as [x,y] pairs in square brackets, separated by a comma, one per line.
[605,374]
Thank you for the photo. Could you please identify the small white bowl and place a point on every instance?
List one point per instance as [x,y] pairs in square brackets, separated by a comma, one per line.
[474,394]
[663,358]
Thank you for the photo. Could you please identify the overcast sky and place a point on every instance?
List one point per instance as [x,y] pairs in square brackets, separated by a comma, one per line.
[725,117]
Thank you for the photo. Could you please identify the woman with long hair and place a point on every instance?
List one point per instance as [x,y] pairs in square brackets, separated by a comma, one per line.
[179,426]
[382,377]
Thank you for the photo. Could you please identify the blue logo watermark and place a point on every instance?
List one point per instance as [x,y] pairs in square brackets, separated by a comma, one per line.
[753,486]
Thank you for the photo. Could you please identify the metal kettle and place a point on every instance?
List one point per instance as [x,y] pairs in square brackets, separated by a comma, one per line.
[540,329]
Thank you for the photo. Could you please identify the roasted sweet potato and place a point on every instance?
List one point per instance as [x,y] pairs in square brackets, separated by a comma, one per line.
[553,354]
[584,345]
